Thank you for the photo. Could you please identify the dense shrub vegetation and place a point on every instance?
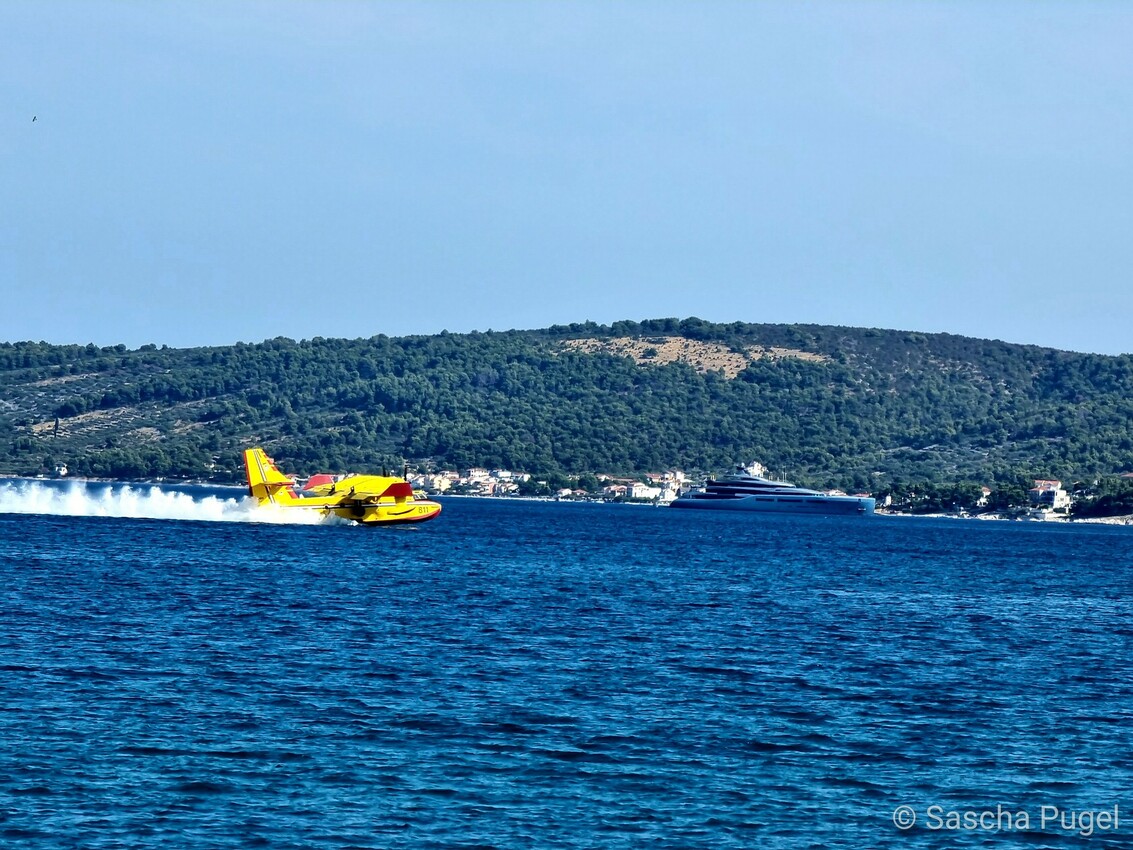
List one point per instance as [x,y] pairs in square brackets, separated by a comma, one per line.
[880,410]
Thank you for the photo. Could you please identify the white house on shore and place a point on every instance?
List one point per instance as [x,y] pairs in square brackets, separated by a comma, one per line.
[637,490]
[1048,494]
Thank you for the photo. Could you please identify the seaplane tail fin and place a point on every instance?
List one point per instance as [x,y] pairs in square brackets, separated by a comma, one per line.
[265,482]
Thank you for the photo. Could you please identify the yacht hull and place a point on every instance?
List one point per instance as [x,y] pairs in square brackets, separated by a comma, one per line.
[825,505]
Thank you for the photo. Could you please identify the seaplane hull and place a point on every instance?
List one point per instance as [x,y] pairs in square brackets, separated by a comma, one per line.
[369,500]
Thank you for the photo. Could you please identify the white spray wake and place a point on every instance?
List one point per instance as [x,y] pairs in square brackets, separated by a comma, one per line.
[138,501]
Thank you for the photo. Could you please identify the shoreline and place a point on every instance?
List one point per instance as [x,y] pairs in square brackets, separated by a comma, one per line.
[1121,520]
[1124,519]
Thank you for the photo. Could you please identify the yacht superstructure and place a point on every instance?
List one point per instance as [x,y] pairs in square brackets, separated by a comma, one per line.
[748,489]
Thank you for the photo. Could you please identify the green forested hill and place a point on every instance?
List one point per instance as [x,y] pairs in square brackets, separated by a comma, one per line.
[857,408]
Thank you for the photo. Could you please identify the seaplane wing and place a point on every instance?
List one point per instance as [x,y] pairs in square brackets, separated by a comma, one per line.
[361,485]
[365,499]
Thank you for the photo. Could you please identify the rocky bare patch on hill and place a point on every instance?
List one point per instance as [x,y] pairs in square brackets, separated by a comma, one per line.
[702,356]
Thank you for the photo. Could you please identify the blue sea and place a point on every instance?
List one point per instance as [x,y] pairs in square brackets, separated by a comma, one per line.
[541,675]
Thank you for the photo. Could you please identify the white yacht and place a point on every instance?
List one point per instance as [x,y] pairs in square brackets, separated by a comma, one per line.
[748,489]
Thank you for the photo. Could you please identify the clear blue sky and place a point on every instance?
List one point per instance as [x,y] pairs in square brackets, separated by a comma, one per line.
[205,172]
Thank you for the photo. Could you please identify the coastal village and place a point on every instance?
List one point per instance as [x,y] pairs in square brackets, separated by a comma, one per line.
[1047,499]
[658,488]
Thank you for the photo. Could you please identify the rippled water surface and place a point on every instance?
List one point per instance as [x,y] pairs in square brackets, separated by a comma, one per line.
[528,675]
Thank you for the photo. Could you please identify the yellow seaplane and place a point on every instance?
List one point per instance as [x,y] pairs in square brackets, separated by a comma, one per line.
[365,499]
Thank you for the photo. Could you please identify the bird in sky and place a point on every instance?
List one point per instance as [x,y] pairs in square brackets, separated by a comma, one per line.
[33,119]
